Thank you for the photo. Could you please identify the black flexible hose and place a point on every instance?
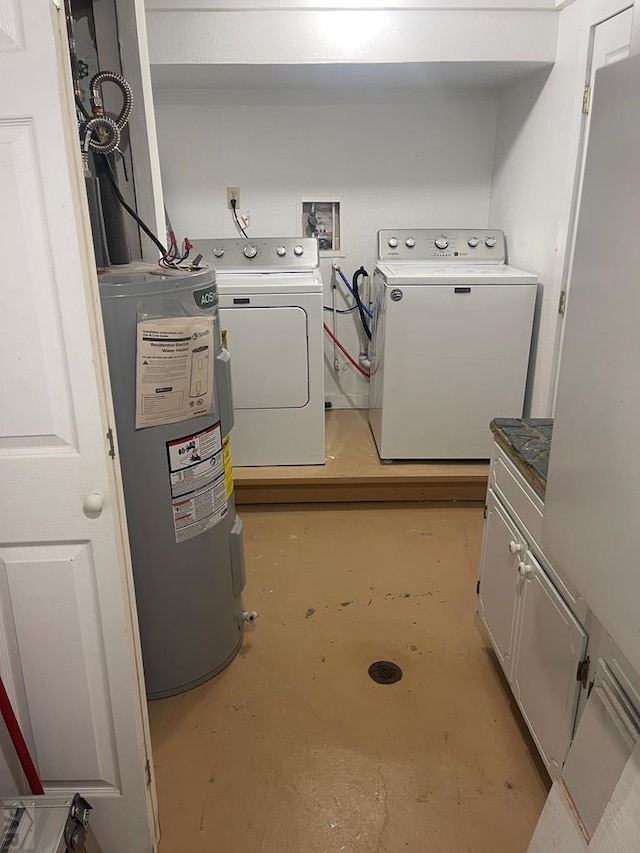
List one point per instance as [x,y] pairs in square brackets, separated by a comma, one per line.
[354,283]
[81,107]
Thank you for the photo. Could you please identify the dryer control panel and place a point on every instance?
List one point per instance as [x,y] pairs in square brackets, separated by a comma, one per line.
[260,254]
[463,245]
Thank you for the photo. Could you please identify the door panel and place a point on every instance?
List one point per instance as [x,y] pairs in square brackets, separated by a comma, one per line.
[550,646]
[36,389]
[499,581]
[53,593]
[269,358]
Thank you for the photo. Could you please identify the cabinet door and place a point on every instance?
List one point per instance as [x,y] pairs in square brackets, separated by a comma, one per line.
[549,647]
[502,550]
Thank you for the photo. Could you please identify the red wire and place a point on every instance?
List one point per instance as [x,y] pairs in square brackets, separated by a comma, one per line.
[19,744]
[346,353]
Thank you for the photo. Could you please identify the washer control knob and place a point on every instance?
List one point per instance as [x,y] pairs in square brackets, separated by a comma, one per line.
[298,251]
[393,242]
[441,242]
[490,242]
[473,242]
[409,242]
[281,251]
[250,250]
[218,252]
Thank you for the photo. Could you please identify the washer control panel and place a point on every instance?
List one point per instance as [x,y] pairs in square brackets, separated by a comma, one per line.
[263,254]
[462,245]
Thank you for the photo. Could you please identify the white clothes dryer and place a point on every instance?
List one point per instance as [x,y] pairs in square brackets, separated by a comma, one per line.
[270,292]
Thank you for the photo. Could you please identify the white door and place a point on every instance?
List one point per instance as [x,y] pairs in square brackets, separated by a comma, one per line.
[590,525]
[611,40]
[502,550]
[549,648]
[69,648]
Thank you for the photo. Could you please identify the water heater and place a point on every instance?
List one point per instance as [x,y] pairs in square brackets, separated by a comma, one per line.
[170,379]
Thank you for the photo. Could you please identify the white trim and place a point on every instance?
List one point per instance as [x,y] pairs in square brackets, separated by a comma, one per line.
[134,54]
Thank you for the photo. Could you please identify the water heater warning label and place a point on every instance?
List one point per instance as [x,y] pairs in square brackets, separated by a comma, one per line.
[199,497]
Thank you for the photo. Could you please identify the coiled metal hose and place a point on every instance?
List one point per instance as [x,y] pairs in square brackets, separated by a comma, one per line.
[127,95]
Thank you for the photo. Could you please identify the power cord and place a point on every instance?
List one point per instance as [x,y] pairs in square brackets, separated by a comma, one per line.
[341,310]
[233,203]
[167,260]
[114,183]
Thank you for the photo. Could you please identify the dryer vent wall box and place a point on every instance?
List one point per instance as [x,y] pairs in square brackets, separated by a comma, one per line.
[451,339]
[271,301]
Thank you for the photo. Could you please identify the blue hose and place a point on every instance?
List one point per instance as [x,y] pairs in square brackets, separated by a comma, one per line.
[352,292]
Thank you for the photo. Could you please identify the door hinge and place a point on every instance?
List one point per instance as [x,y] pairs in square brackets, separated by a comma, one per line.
[147,772]
[582,675]
[478,588]
[112,449]
[586,99]
[562,302]
[485,512]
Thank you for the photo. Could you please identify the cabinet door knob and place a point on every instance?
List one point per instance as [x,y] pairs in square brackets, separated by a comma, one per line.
[524,569]
[515,547]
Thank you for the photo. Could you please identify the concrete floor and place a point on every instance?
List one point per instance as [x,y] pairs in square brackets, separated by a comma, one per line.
[293,749]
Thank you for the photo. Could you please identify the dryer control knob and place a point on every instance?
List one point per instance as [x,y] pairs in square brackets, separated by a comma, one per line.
[281,251]
[392,242]
[473,242]
[490,242]
[218,252]
[441,242]
[298,251]
[250,250]
[410,242]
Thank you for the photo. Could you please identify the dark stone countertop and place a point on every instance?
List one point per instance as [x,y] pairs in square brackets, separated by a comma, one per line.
[527,442]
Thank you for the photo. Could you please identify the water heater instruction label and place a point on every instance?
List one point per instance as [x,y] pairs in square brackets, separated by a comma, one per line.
[174,369]
[199,496]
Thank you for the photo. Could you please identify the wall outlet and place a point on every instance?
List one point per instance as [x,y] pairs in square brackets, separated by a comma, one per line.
[233,193]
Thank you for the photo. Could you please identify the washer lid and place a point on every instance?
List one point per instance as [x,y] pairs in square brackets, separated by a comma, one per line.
[232,284]
[434,273]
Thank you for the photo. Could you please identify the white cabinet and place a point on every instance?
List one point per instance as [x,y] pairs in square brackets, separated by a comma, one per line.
[502,551]
[537,638]
[551,644]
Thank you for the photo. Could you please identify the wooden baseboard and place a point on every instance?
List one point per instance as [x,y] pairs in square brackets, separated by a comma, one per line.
[282,492]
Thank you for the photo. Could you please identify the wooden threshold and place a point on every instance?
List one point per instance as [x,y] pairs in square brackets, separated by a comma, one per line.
[353,472]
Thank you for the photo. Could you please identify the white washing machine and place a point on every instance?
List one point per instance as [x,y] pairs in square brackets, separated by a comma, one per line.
[452,333]
[270,293]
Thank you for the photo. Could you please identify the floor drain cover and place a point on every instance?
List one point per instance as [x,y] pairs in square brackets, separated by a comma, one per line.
[385,672]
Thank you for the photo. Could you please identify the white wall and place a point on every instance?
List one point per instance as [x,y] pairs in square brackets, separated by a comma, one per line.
[396,159]
[539,128]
